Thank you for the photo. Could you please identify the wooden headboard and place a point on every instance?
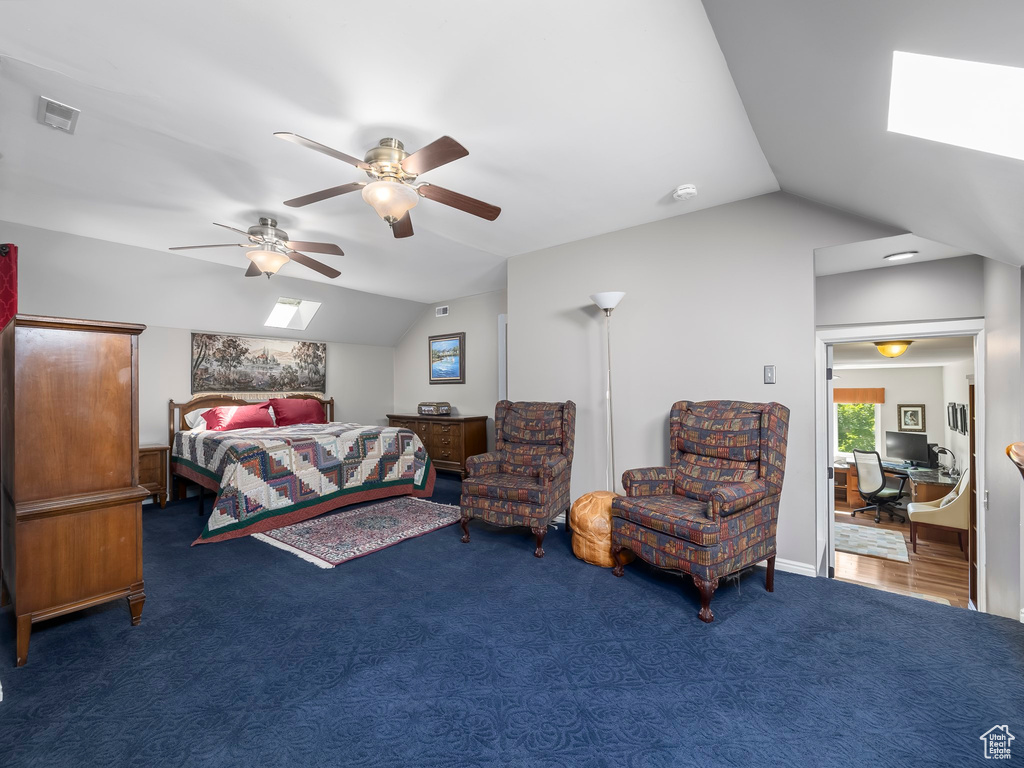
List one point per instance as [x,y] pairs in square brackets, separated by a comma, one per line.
[176,411]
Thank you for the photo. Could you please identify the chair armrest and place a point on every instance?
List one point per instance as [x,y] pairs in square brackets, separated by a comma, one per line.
[649,481]
[483,464]
[552,468]
[730,498]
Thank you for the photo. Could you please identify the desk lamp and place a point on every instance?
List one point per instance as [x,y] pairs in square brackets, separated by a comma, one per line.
[951,472]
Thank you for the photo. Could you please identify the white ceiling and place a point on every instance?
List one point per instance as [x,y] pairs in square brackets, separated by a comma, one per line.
[922,353]
[870,254]
[814,77]
[579,121]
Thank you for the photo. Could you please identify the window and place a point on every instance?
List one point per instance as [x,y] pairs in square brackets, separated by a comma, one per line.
[857,427]
[292,313]
[965,103]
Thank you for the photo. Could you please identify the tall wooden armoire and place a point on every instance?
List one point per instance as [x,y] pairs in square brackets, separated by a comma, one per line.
[71,505]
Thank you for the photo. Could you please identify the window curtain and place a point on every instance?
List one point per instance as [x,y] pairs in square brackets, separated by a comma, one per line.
[855,395]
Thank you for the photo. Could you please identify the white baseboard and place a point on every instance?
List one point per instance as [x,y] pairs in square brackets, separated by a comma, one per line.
[793,566]
[1022,615]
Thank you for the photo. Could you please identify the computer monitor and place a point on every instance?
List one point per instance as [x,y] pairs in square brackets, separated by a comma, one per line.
[907,446]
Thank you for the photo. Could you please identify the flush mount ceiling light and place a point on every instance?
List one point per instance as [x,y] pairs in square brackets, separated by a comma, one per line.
[893,348]
[392,190]
[900,256]
[965,103]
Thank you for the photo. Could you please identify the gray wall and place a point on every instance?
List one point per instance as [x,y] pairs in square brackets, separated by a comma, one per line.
[956,389]
[711,297]
[477,316]
[70,276]
[946,289]
[1002,426]
[903,385]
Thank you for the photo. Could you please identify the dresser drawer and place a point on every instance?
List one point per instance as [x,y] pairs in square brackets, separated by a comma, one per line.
[452,432]
[452,453]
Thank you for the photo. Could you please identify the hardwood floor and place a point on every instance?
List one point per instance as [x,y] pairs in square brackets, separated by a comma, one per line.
[938,569]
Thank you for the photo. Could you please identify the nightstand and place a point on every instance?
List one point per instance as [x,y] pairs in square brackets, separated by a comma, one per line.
[153,471]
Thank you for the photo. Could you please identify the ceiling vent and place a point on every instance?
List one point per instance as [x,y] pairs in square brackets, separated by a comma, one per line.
[57,115]
[441,311]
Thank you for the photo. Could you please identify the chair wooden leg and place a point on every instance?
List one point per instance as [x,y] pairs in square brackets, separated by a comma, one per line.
[769,576]
[960,538]
[913,535]
[620,563]
[540,533]
[707,589]
[465,530]
[5,596]
[568,527]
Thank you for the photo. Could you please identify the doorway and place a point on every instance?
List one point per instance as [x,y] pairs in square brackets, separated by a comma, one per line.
[928,397]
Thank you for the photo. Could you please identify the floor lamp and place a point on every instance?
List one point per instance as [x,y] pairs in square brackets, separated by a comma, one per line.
[607,301]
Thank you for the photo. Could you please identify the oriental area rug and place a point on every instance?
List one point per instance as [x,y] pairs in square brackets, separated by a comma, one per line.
[873,542]
[332,539]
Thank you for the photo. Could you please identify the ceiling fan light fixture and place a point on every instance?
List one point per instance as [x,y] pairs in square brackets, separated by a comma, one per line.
[268,261]
[893,348]
[390,199]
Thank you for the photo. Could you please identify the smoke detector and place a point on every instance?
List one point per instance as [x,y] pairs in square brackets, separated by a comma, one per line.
[57,115]
[685,192]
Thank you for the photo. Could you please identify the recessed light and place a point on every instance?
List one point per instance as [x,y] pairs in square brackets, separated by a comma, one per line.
[900,256]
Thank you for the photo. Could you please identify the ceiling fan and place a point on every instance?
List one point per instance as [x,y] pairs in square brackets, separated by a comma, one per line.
[274,249]
[392,191]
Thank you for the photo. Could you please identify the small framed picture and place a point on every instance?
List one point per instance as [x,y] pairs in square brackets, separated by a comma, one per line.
[447,358]
[951,413]
[962,418]
[910,418]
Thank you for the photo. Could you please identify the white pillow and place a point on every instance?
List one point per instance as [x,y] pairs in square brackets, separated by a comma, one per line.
[949,498]
[195,419]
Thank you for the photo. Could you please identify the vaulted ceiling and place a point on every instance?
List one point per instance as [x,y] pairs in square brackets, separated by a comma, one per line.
[579,120]
[814,77]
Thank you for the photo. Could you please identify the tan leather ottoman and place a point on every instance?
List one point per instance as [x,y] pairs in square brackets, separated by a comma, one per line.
[591,517]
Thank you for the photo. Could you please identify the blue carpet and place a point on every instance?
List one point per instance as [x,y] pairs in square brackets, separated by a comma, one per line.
[436,653]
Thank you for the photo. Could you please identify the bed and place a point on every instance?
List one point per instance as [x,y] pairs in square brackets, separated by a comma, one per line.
[268,477]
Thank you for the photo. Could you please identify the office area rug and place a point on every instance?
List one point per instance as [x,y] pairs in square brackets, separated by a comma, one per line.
[330,540]
[873,542]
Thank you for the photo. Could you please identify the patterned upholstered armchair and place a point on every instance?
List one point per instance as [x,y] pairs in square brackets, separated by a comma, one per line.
[714,511]
[525,480]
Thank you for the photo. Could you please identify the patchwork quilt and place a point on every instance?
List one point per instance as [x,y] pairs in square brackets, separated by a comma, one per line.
[268,477]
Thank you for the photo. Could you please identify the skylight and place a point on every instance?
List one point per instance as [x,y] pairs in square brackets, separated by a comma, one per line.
[965,103]
[292,313]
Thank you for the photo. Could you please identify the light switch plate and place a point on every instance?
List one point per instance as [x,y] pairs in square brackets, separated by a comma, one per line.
[769,374]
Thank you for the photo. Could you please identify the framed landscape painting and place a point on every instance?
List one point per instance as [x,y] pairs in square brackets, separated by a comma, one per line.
[910,418]
[230,364]
[447,358]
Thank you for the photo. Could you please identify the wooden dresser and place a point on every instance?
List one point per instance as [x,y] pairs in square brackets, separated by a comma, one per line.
[450,440]
[71,504]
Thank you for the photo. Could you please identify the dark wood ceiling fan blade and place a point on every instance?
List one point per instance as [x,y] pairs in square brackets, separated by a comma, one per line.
[217,245]
[313,264]
[253,270]
[323,194]
[316,146]
[437,153]
[462,202]
[315,247]
[403,227]
[233,229]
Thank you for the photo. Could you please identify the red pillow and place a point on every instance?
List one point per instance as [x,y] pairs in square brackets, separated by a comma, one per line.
[297,410]
[228,417]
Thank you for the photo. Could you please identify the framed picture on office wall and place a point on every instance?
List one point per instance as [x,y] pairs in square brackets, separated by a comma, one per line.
[962,418]
[910,418]
[951,417]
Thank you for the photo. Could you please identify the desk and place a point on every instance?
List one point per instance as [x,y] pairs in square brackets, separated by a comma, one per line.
[925,484]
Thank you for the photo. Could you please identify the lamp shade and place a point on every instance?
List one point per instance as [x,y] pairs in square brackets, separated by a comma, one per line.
[607,299]
[268,261]
[893,348]
[390,199]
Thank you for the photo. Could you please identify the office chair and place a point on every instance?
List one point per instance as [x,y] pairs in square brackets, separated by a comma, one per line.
[882,493]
